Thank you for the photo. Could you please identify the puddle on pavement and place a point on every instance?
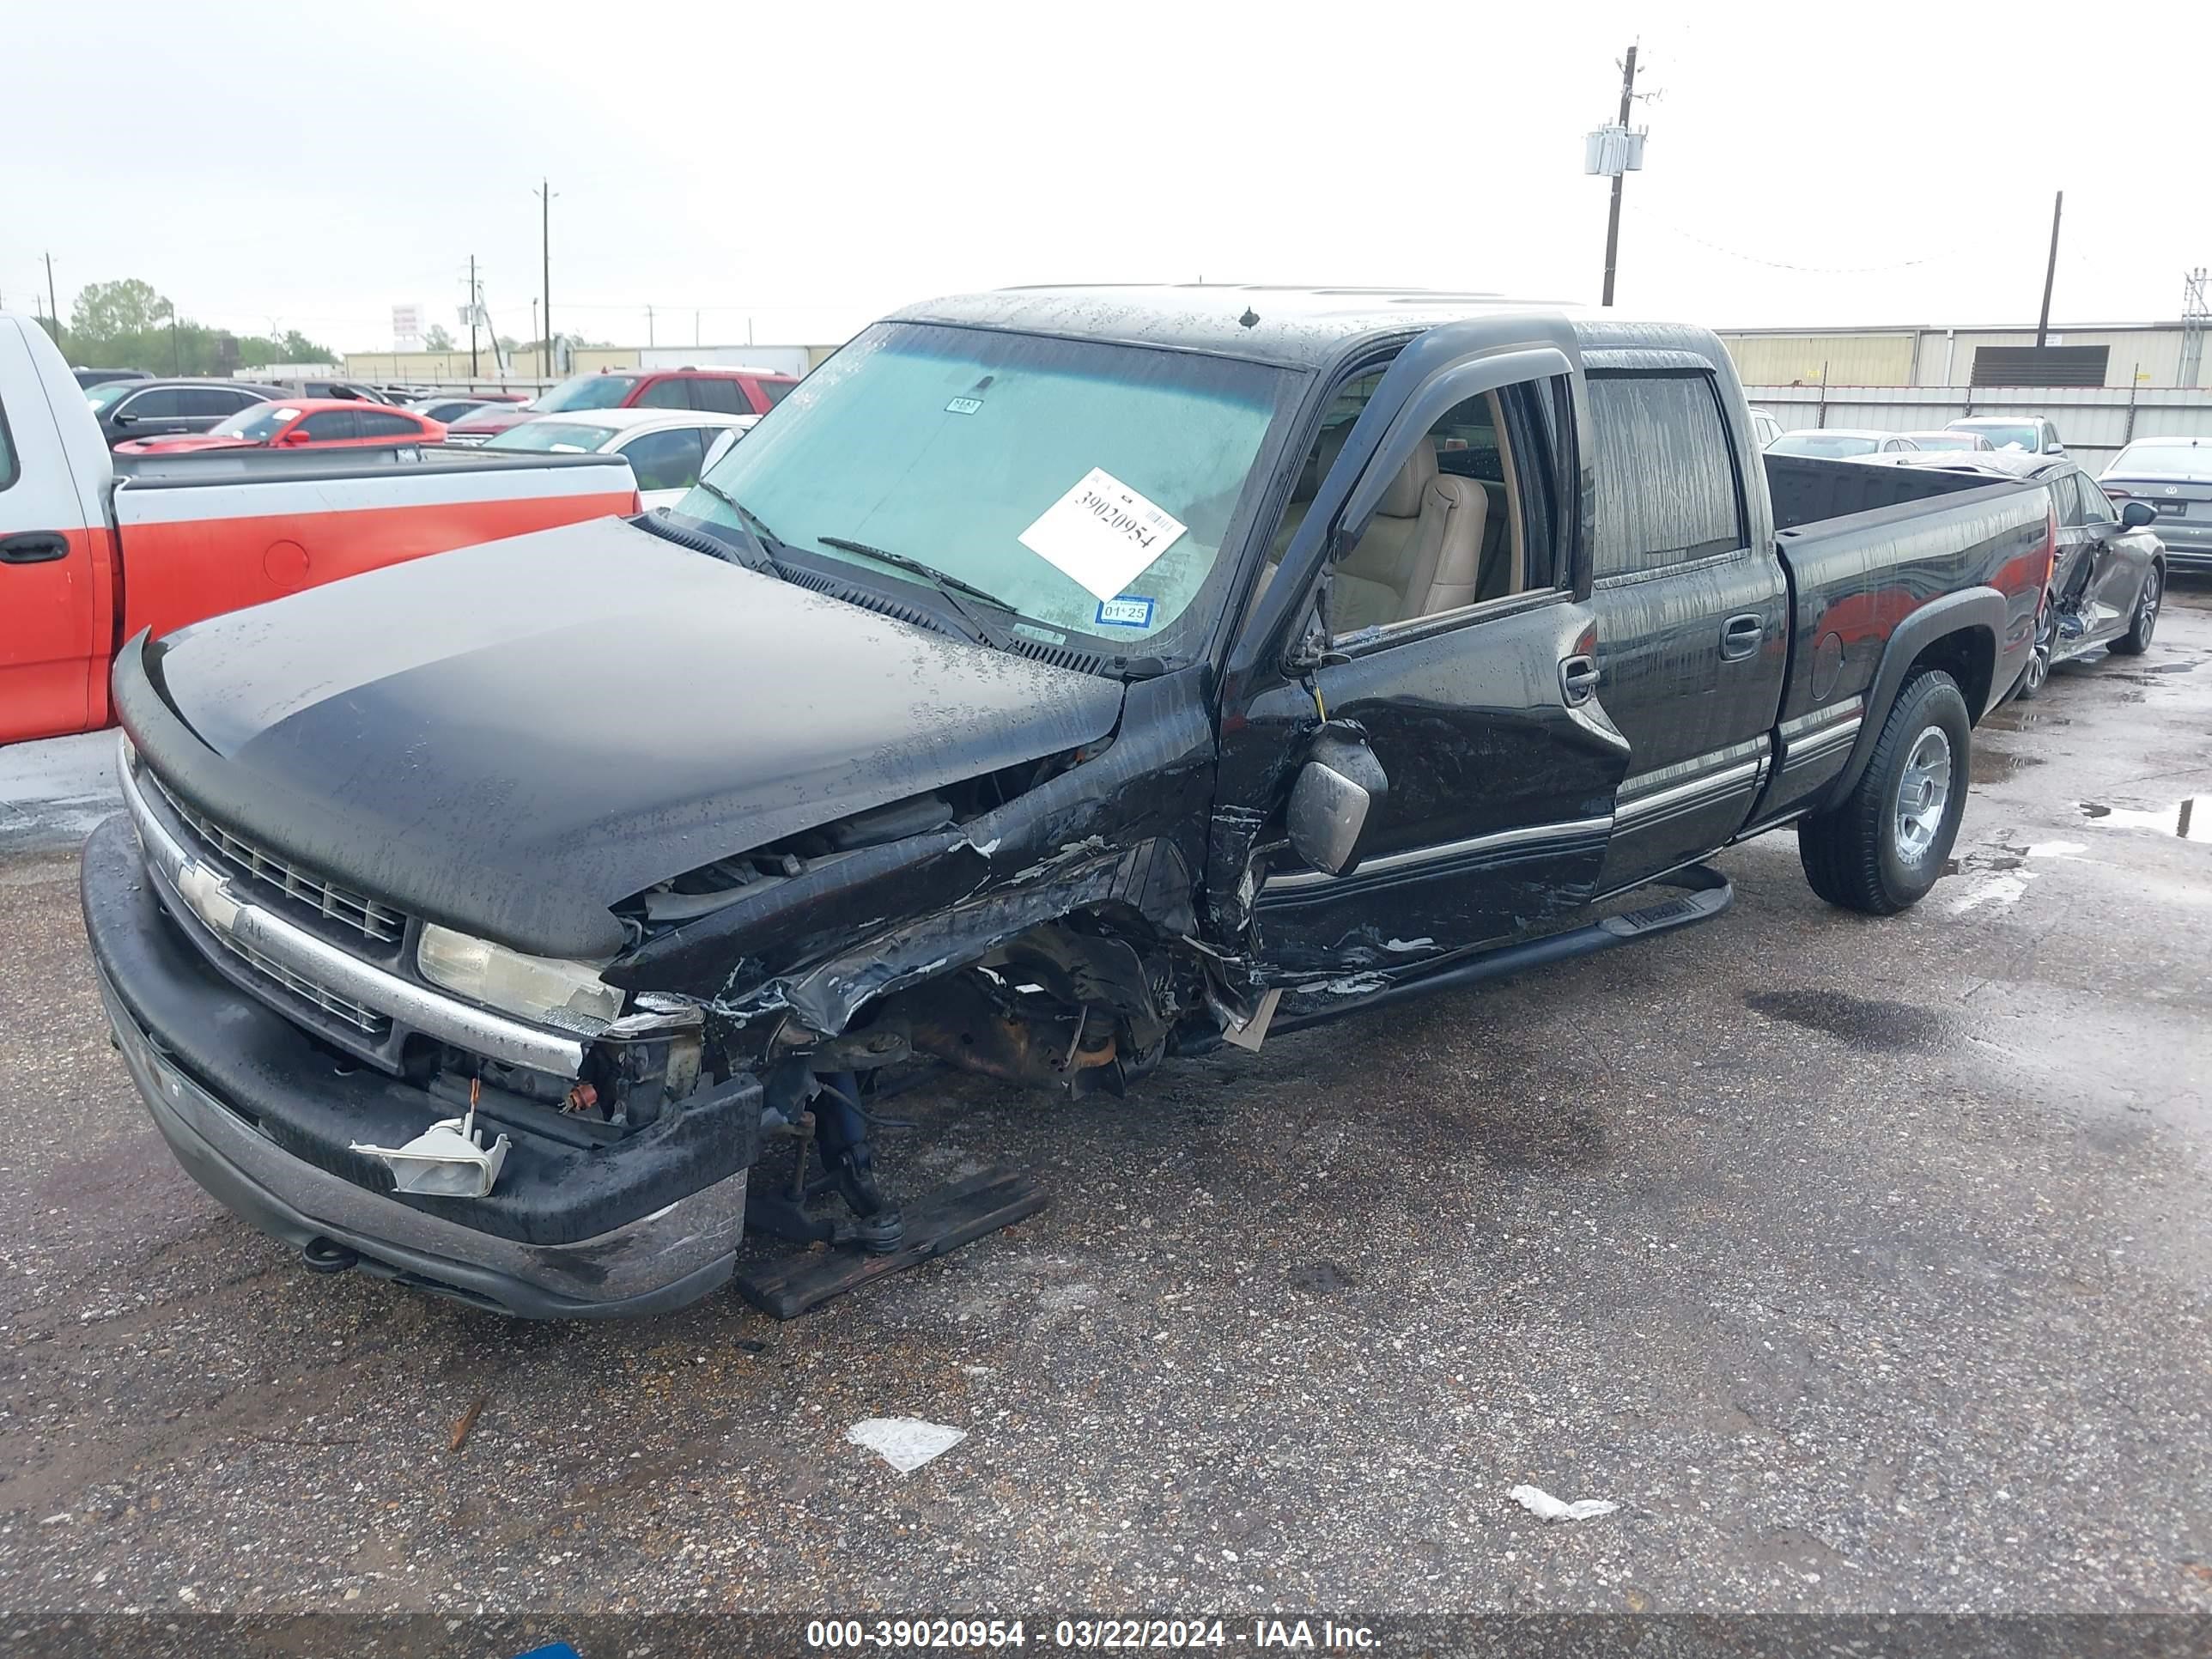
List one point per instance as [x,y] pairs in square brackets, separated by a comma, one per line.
[2022,717]
[1865,1023]
[2190,817]
[1994,766]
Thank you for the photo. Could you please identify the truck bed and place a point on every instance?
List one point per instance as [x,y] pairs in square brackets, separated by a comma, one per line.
[1864,547]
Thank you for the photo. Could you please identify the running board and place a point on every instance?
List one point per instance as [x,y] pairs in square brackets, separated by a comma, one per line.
[1706,894]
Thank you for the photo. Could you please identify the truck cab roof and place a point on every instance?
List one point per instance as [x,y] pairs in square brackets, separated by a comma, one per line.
[1295,327]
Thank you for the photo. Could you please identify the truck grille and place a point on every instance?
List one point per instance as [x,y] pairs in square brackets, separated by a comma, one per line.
[377,923]
[367,1020]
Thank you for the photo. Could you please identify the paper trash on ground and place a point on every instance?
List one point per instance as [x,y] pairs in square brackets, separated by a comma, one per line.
[1545,1507]
[904,1443]
[1103,533]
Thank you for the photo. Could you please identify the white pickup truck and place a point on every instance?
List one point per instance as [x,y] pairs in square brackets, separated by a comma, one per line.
[93,548]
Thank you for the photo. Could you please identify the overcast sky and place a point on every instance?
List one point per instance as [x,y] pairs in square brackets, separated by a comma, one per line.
[807,166]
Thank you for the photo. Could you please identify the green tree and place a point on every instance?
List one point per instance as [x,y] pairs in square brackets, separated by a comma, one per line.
[437,339]
[129,325]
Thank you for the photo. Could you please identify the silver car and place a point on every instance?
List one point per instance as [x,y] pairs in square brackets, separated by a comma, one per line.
[2174,476]
[1840,443]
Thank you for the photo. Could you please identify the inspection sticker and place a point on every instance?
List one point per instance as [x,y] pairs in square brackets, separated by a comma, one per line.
[1102,533]
[1127,611]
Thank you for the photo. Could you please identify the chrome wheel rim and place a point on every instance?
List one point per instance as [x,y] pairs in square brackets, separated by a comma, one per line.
[2038,655]
[1923,793]
[2146,606]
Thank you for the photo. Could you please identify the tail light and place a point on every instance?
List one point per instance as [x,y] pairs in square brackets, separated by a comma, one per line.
[2116,494]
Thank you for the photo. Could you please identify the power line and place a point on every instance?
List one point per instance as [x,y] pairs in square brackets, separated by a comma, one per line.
[1785,264]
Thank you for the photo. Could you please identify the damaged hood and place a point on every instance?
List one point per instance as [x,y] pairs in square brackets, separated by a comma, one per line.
[511,738]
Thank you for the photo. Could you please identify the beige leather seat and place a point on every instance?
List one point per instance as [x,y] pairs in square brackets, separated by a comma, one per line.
[1421,553]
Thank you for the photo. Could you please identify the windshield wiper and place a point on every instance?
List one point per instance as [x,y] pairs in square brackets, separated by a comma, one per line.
[951,585]
[764,541]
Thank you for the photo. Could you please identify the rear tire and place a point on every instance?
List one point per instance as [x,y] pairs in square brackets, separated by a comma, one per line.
[2037,674]
[1883,845]
[2144,623]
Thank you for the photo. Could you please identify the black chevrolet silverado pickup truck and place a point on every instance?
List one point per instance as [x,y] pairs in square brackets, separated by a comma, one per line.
[1056,681]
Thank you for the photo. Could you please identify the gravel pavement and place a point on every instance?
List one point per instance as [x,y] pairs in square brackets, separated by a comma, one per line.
[1864,1265]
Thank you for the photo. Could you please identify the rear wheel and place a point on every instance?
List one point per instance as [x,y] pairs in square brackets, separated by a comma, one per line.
[2144,623]
[1882,848]
[2037,674]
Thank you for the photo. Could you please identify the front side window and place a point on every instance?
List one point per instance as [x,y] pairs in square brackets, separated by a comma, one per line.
[10,469]
[586,391]
[2065,498]
[1666,487]
[331,425]
[162,403]
[1090,487]
[2096,506]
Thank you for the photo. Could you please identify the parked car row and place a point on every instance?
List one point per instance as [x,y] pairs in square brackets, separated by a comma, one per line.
[711,391]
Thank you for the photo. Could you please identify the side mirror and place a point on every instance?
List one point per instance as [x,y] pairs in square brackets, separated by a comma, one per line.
[2136,514]
[1338,790]
[725,441]
[297,435]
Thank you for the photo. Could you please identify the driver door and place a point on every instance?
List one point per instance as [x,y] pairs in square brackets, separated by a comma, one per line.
[1478,697]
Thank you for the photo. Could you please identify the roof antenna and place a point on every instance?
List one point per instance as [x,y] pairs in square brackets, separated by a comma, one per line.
[1250,319]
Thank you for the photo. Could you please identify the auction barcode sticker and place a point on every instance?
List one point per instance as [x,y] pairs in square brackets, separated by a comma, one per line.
[1102,533]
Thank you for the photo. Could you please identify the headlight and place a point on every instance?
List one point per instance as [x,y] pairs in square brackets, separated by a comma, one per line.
[544,988]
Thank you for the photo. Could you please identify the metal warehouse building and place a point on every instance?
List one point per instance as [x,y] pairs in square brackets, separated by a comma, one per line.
[2104,385]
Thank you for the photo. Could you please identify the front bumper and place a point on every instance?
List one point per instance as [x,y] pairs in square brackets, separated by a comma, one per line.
[262,1116]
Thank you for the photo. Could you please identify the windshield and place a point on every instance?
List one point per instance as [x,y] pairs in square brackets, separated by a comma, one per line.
[2191,460]
[568,436]
[1090,487]
[2021,436]
[1830,446]
[100,396]
[1948,440]
[259,423]
[586,391]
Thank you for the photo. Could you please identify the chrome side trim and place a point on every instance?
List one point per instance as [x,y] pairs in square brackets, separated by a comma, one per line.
[1825,741]
[1719,784]
[1501,841]
[257,931]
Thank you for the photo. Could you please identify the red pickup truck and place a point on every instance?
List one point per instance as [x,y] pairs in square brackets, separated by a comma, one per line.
[94,548]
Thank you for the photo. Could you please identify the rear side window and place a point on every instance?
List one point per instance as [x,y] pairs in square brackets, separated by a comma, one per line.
[1667,485]
[723,396]
[670,393]
[665,460]
[774,391]
[374,424]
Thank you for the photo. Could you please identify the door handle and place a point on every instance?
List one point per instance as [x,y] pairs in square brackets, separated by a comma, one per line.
[33,547]
[1577,678]
[1741,636]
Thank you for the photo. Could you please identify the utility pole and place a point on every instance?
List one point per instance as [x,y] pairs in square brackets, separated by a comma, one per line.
[2050,271]
[648,326]
[544,194]
[53,309]
[474,307]
[1612,213]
